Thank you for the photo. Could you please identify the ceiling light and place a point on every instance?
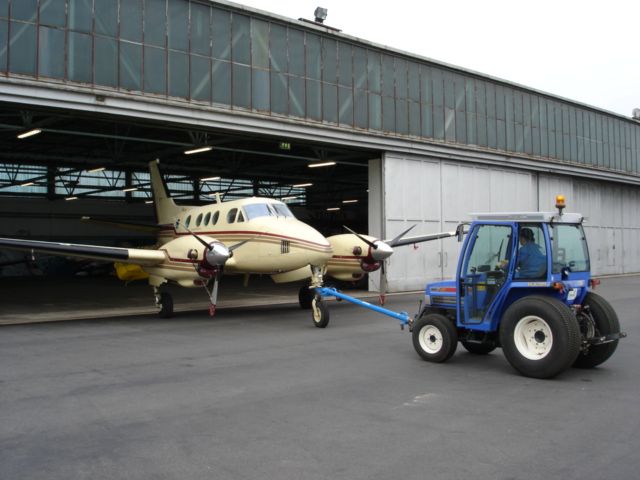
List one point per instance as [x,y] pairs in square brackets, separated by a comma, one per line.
[71,198]
[148,201]
[301,185]
[349,201]
[30,133]
[323,164]
[131,189]
[197,150]
[94,170]
[333,209]
[28,184]
[209,179]
[288,198]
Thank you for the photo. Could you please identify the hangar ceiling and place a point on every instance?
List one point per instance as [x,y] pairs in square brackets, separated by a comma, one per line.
[57,162]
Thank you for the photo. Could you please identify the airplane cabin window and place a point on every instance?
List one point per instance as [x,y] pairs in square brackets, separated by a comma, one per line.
[198,220]
[187,221]
[231,216]
[207,217]
[216,215]
[240,217]
[257,210]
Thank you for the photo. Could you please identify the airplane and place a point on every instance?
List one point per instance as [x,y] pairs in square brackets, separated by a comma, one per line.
[197,244]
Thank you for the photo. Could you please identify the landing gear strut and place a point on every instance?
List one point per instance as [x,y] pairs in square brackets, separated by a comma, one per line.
[319,309]
[164,302]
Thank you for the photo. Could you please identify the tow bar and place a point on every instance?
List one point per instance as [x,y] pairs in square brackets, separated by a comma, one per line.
[402,317]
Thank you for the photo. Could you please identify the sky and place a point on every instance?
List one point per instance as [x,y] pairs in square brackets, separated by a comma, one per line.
[587,51]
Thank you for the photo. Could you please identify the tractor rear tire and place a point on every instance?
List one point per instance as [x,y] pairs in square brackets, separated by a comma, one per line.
[606,322]
[540,336]
[435,338]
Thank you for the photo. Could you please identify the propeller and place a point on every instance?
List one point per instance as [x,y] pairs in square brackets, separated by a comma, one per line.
[379,250]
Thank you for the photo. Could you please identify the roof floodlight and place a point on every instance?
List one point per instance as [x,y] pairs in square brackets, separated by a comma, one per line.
[320,14]
[198,150]
[30,133]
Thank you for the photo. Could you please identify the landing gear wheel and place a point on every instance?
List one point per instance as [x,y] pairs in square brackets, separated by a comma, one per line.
[606,322]
[479,348]
[435,338]
[166,305]
[305,297]
[319,312]
[540,336]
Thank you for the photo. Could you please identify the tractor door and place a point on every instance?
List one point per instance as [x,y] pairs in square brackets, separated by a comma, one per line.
[481,277]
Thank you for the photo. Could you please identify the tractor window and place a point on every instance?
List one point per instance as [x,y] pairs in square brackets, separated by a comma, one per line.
[569,247]
[532,252]
[492,244]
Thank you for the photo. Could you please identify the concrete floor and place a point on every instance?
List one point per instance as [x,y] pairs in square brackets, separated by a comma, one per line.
[49,299]
[259,393]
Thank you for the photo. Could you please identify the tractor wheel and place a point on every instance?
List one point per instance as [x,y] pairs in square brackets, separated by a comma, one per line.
[166,305]
[435,338]
[305,296]
[479,348]
[606,322]
[319,312]
[540,336]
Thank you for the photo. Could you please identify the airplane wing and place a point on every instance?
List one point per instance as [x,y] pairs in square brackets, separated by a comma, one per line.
[138,256]
[419,239]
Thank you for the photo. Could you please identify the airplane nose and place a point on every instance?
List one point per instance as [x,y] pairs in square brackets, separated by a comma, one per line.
[319,246]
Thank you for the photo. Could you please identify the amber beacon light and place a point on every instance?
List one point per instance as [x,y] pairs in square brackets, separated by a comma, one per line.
[560,203]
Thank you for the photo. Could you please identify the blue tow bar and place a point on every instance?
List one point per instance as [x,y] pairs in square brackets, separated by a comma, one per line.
[403,317]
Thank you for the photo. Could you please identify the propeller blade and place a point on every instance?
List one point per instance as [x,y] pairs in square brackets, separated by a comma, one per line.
[239,244]
[368,242]
[199,239]
[396,239]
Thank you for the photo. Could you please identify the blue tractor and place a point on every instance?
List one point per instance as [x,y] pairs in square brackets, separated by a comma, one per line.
[523,283]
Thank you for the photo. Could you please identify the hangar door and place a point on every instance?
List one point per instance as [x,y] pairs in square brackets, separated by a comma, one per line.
[436,195]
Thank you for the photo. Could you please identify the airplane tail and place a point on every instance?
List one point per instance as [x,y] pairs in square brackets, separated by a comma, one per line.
[166,209]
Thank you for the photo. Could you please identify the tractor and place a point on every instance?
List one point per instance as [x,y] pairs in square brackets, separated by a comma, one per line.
[524,284]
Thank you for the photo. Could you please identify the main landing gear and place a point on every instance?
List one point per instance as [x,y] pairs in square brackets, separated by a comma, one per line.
[164,303]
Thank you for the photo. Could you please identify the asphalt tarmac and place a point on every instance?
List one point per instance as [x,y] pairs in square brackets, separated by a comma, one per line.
[260,393]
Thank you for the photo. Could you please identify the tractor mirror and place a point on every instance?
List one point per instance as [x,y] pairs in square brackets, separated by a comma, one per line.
[460,232]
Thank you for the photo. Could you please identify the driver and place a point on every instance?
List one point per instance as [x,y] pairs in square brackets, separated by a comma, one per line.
[532,262]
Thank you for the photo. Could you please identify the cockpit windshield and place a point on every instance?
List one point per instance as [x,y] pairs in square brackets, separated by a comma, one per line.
[256,210]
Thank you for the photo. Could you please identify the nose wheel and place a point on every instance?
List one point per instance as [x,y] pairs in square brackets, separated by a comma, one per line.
[319,312]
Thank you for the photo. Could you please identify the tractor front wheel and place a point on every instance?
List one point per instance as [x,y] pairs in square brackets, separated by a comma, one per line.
[540,336]
[435,338]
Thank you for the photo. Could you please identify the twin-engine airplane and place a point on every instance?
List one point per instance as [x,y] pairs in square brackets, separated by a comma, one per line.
[196,244]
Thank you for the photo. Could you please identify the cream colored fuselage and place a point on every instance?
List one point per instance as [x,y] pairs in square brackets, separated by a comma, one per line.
[275,243]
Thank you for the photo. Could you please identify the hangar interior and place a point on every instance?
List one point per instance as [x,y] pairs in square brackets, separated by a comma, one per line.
[114,84]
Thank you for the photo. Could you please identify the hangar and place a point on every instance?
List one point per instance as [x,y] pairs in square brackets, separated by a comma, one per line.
[91,90]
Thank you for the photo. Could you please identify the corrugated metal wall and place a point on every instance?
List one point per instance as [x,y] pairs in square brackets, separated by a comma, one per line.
[438,194]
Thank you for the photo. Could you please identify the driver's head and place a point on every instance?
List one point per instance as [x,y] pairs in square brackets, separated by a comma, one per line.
[526,235]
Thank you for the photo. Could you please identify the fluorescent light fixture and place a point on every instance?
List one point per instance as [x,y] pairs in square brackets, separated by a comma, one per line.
[30,133]
[148,201]
[302,185]
[131,189]
[333,209]
[209,179]
[71,198]
[349,201]
[28,184]
[197,150]
[323,164]
[289,198]
[94,170]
